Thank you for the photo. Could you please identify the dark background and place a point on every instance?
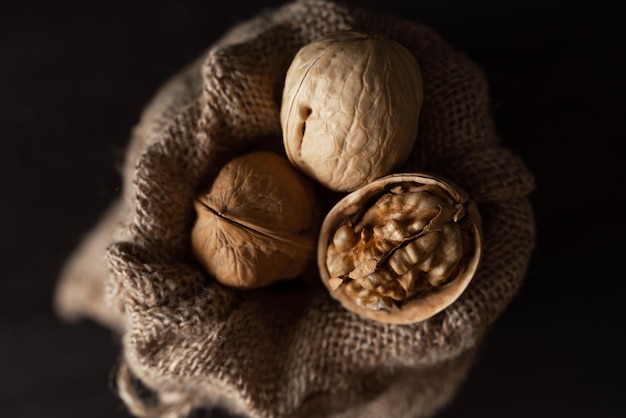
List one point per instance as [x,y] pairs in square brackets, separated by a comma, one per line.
[73,80]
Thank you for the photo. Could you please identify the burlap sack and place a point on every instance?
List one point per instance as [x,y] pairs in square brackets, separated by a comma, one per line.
[288,351]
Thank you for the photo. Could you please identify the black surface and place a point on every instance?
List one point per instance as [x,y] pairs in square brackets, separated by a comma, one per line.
[74,79]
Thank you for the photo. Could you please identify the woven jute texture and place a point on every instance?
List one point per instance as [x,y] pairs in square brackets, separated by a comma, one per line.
[288,351]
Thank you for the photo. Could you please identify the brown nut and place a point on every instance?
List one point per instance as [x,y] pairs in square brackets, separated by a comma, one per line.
[400,249]
[257,224]
[350,108]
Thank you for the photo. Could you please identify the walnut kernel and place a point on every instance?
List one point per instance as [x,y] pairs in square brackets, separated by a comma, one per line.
[400,249]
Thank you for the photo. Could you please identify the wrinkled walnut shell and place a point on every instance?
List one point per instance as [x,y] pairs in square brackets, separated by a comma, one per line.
[350,108]
[365,238]
[258,223]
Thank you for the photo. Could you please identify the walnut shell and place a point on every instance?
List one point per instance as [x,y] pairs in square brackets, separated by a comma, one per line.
[400,249]
[350,108]
[257,224]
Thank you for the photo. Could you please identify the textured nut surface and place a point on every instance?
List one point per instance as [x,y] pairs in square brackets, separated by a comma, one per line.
[400,249]
[257,224]
[350,108]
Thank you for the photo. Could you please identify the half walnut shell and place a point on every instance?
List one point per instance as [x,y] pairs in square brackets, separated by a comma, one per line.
[400,249]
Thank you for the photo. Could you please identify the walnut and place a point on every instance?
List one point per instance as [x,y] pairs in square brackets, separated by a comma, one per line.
[400,249]
[350,108]
[257,224]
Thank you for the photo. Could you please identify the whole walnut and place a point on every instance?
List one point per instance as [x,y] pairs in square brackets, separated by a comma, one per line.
[400,249]
[258,223]
[350,108]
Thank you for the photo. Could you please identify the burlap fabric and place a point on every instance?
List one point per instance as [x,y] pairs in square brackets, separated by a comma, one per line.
[288,351]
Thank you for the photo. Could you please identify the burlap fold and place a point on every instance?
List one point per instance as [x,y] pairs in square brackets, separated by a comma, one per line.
[288,351]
